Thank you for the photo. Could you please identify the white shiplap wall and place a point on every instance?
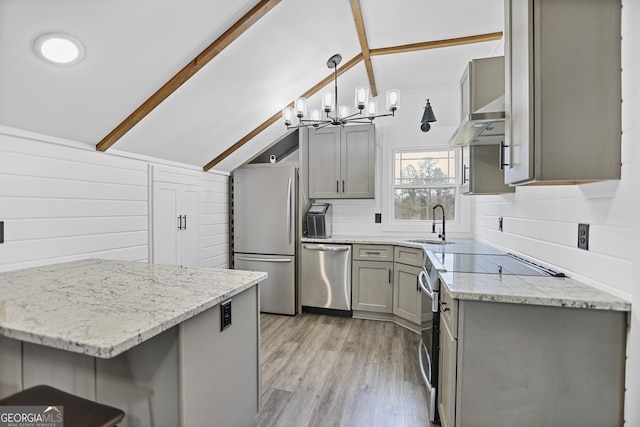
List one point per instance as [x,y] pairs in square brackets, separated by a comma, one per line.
[214,213]
[62,200]
[542,222]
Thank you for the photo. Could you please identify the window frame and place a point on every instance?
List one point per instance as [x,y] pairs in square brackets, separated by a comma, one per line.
[461,224]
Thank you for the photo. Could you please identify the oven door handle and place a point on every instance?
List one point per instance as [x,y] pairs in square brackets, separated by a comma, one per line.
[425,283]
[431,389]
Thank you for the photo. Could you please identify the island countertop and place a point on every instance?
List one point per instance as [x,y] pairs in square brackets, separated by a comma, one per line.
[102,308]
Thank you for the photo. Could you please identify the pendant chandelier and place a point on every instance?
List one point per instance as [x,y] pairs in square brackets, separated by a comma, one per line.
[367,109]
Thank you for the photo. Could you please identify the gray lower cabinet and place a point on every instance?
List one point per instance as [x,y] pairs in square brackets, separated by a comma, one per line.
[407,298]
[342,162]
[372,278]
[504,364]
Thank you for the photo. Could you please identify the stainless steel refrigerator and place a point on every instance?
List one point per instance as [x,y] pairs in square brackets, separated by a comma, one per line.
[264,230]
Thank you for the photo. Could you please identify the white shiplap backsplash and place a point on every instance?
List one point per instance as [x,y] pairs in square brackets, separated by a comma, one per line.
[62,201]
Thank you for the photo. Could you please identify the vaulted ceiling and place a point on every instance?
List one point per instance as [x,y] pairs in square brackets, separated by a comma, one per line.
[225,110]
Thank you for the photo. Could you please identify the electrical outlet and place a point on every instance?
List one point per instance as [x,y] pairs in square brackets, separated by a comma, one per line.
[583,236]
[225,315]
[378,218]
[500,224]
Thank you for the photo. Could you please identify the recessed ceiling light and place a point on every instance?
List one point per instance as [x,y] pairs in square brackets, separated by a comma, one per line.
[60,49]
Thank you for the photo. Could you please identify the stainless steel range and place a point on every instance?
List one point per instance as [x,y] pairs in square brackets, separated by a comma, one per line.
[429,280]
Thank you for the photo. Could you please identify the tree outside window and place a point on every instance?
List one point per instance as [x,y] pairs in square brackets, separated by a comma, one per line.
[423,179]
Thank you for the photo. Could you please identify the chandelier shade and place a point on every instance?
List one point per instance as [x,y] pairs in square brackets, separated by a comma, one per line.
[366,108]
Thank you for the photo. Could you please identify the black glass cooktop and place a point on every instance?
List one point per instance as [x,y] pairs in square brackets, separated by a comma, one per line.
[507,264]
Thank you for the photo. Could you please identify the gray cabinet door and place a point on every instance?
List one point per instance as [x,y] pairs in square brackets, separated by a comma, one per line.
[481,172]
[357,168]
[372,286]
[342,162]
[518,92]
[563,106]
[407,299]
[324,163]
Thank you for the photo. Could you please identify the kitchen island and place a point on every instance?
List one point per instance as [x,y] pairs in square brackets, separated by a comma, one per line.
[145,338]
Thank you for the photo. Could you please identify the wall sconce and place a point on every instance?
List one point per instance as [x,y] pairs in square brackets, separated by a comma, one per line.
[427,118]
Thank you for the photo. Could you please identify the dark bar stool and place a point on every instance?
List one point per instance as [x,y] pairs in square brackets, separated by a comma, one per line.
[78,412]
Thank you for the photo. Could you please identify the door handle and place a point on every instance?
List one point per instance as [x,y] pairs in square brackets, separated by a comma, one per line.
[241,258]
[180,222]
[465,168]
[502,156]
[289,223]
[327,248]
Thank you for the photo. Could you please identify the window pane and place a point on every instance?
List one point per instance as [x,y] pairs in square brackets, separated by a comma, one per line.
[416,204]
[424,168]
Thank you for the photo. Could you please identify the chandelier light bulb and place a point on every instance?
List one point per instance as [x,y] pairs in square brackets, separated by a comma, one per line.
[372,108]
[287,115]
[362,97]
[344,111]
[301,107]
[393,99]
[328,103]
[315,115]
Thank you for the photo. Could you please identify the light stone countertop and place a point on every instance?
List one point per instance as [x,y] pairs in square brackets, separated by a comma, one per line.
[535,290]
[459,246]
[102,308]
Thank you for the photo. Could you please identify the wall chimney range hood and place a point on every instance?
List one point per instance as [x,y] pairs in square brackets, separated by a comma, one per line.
[482,101]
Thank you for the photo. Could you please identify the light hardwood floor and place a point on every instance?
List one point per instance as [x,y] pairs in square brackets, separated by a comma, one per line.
[331,371]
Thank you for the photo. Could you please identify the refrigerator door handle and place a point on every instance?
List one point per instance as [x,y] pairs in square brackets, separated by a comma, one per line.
[289,224]
[264,259]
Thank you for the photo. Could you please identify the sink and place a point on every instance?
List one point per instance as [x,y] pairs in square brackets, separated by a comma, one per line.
[431,241]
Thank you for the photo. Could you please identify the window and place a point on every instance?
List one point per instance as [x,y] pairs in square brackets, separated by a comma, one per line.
[421,180]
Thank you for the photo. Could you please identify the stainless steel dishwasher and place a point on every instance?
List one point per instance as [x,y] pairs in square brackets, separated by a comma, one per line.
[326,279]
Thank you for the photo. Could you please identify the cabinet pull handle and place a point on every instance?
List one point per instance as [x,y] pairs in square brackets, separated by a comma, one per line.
[465,168]
[343,185]
[185,223]
[372,253]
[443,306]
[389,275]
[337,185]
[502,161]
[418,288]
[180,222]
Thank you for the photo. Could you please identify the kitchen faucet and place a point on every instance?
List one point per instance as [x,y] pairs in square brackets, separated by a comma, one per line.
[433,227]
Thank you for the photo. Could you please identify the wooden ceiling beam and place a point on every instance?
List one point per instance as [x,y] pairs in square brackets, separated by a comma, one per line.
[437,44]
[364,44]
[271,120]
[237,29]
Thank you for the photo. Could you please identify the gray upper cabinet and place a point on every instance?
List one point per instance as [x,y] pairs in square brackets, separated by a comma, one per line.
[342,162]
[563,91]
[481,172]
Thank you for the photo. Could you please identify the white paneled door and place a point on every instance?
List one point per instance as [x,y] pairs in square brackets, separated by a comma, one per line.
[176,224]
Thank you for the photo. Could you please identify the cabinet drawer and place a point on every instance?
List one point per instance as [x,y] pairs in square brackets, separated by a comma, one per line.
[449,310]
[409,256]
[373,252]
